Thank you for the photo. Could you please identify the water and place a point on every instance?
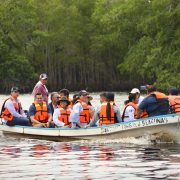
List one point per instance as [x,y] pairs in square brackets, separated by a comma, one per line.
[112,159]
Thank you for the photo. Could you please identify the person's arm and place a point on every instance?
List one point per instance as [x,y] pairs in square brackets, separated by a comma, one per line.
[32,112]
[10,106]
[55,118]
[139,112]
[118,114]
[75,114]
[95,118]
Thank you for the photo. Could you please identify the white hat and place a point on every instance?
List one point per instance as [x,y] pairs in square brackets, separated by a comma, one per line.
[43,76]
[135,90]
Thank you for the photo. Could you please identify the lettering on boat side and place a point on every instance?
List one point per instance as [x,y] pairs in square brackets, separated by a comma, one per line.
[135,124]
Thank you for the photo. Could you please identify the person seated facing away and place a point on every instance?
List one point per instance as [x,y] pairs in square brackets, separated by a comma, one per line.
[91,108]
[80,115]
[62,113]
[130,110]
[40,113]
[12,112]
[174,100]
[138,94]
[155,104]
[107,113]
[53,104]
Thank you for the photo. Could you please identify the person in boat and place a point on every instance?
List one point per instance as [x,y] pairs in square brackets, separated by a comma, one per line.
[155,104]
[40,112]
[12,113]
[91,108]
[107,113]
[65,92]
[174,100]
[138,94]
[40,87]
[130,110]
[54,99]
[80,115]
[62,113]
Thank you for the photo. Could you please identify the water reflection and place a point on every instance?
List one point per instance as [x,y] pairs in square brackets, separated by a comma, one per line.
[78,160]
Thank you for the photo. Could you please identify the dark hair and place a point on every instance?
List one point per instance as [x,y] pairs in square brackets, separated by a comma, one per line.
[65,92]
[131,97]
[75,98]
[110,96]
[104,94]
[151,88]
[38,94]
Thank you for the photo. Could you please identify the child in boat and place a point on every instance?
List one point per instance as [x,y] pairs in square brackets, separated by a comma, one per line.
[62,113]
[130,110]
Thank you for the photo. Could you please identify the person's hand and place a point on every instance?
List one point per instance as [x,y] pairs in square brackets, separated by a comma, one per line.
[48,124]
[44,125]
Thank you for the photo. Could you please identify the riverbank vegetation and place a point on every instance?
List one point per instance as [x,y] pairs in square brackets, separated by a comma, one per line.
[94,44]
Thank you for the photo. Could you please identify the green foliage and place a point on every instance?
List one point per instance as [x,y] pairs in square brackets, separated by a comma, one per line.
[100,44]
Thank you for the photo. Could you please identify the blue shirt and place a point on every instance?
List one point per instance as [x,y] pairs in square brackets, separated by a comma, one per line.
[32,110]
[154,107]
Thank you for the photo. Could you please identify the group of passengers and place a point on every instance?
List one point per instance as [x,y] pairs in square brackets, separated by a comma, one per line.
[79,112]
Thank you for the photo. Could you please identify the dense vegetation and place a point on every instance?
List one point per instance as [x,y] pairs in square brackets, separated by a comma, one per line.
[94,44]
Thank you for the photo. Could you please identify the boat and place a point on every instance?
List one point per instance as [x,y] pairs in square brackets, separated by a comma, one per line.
[165,128]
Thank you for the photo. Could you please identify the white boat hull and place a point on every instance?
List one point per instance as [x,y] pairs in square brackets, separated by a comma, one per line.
[165,128]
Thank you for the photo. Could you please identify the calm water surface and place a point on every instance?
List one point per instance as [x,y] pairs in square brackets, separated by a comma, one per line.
[118,159]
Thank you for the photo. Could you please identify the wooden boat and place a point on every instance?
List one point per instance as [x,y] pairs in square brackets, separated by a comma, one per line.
[165,128]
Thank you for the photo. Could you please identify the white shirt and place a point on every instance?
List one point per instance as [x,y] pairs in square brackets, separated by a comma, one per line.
[129,114]
[10,106]
[140,100]
[56,114]
[75,114]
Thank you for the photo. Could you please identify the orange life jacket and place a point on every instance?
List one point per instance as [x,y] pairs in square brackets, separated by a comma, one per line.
[41,114]
[5,112]
[134,106]
[85,114]
[174,103]
[64,116]
[103,119]
[158,96]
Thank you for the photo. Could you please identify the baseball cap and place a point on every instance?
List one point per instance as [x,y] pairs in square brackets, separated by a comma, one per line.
[14,89]
[135,90]
[43,76]
[83,93]
[173,91]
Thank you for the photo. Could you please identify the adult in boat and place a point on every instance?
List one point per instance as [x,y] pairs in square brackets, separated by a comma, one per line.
[12,113]
[65,92]
[40,112]
[138,94]
[54,99]
[106,113]
[174,100]
[80,115]
[155,104]
[40,87]
[90,106]
[62,113]
[130,110]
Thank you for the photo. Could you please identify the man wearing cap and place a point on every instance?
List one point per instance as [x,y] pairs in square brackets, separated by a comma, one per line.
[174,100]
[80,115]
[40,87]
[138,94]
[12,112]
